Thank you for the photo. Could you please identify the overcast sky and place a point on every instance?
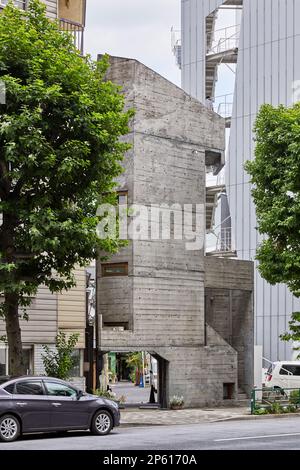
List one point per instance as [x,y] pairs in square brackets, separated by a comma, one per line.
[137,29]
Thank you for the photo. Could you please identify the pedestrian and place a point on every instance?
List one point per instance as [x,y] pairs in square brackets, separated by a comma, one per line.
[153,389]
[209,103]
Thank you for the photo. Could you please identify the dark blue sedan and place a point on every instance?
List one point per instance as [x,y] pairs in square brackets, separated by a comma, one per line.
[43,404]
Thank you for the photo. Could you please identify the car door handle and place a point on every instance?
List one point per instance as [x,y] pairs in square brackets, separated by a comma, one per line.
[21,403]
[56,404]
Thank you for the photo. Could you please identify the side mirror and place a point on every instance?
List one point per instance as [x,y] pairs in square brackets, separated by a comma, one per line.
[79,394]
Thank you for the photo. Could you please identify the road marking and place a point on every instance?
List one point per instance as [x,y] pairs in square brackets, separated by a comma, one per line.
[257,437]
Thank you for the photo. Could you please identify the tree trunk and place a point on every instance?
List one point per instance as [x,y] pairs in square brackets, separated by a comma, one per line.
[13,332]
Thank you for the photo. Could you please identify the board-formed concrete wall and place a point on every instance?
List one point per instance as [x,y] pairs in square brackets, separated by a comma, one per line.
[163,297]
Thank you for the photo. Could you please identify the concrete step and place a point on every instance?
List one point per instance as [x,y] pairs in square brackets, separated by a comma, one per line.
[242,396]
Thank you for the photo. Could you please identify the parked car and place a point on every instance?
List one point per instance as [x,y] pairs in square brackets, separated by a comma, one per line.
[43,404]
[284,374]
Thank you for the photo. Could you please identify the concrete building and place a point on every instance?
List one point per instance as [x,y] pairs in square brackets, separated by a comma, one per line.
[262,46]
[48,312]
[192,313]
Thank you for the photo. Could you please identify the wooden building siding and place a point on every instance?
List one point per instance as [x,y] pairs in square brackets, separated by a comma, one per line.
[42,324]
[51,8]
[72,308]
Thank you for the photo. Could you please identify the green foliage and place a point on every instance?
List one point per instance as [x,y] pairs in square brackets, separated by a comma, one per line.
[294,397]
[275,174]
[59,362]
[135,362]
[60,150]
[261,411]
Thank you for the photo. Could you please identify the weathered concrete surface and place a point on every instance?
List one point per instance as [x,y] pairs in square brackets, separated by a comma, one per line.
[162,299]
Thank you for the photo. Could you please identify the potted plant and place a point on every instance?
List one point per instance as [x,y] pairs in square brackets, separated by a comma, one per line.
[176,402]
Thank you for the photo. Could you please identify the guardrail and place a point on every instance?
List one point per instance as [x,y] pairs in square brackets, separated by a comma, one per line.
[275,400]
[75,29]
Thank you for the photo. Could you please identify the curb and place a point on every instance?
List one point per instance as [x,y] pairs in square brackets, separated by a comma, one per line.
[243,418]
[220,420]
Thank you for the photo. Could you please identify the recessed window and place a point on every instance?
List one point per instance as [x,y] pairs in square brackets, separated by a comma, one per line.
[117,326]
[76,356]
[228,391]
[122,197]
[3,362]
[114,269]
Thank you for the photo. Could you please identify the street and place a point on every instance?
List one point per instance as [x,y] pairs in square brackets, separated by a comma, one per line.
[260,434]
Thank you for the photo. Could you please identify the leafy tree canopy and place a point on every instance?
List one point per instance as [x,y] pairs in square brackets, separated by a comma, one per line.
[60,149]
[275,173]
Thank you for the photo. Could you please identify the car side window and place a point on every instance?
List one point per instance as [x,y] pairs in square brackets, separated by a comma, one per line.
[29,388]
[10,388]
[60,390]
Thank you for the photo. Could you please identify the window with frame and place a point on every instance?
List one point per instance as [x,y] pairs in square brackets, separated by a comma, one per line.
[114,269]
[56,389]
[10,388]
[76,357]
[290,369]
[3,365]
[122,197]
[29,387]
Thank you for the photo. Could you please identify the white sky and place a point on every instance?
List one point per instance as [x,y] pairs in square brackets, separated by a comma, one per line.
[139,29]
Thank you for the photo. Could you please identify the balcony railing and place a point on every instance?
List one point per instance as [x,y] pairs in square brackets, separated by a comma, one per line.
[75,29]
[18,3]
[224,241]
[225,40]
[223,105]
[176,46]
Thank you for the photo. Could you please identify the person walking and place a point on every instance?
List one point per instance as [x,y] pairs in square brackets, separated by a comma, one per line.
[153,389]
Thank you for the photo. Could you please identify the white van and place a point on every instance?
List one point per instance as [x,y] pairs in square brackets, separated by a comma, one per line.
[285,374]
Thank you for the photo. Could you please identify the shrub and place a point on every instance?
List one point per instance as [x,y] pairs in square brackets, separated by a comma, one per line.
[294,397]
[261,411]
[59,362]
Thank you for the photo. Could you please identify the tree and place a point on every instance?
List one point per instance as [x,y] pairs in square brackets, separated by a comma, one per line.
[59,362]
[60,150]
[275,173]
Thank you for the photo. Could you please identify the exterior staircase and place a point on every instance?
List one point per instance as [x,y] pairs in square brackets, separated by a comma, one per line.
[242,398]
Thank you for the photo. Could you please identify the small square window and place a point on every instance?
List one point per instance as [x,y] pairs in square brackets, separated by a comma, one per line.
[122,197]
[114,269]
[228,391]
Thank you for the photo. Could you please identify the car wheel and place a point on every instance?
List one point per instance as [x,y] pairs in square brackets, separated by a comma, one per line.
[102,423]
[9,428]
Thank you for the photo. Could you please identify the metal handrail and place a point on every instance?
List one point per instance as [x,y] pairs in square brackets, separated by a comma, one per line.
[224,240]
[75,29]
[226,44]
[278,390]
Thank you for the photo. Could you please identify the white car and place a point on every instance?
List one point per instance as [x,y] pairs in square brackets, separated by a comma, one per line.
[284,374]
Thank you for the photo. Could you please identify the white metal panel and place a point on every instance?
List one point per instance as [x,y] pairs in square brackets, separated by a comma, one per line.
[268,68]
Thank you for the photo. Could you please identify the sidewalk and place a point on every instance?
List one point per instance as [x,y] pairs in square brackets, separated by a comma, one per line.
[136,417]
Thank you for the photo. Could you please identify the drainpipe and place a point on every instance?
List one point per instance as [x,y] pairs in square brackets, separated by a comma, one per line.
[98,359]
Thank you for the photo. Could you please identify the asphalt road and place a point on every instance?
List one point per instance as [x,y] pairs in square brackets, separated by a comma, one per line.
[262,434]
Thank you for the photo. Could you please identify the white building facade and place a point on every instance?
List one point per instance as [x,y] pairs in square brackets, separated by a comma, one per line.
[263,51]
